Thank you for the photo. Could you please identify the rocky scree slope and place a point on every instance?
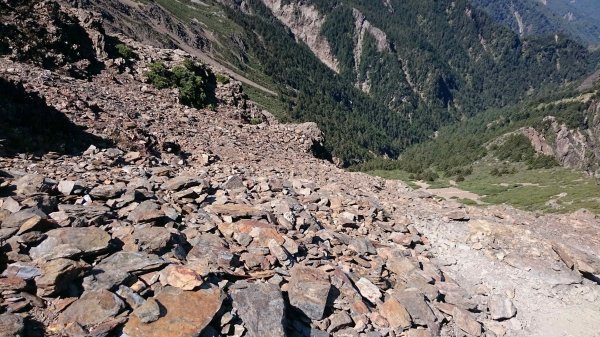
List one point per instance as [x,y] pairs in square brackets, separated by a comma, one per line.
[368,63]
[176,221]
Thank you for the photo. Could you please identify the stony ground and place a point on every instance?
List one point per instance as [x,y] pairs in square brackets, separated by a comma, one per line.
[155,219]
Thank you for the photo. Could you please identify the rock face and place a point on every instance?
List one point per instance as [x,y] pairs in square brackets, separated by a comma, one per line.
[242,232]
[306,23]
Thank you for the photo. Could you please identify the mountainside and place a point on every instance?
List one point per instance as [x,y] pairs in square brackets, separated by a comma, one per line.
[579,18]
[362,70]
[142,194]
[532,155]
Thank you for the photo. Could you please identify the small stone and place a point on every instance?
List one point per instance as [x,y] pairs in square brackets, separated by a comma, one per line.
[180,277]
[148,312]
[501,307]
[338,321]
[368,290]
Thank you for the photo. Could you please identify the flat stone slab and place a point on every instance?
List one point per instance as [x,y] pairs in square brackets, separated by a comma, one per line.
[183,314]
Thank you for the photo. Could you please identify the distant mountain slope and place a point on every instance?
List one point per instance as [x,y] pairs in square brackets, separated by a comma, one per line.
[562,128]
[363,70]
[578,18]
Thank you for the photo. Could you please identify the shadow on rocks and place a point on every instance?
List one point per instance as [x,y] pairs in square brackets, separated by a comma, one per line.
[29,125]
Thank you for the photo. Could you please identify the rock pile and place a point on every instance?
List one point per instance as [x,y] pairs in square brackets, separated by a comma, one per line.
[187,222]
[153,251]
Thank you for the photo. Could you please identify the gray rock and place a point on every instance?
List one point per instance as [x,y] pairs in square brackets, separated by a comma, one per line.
[11,205]
[21,221]
[501,307]
[33,183]
[104,192]
[308,291]
[68,187]
[70,242]
[148,312]
[339,320]
[152,239]
[22,270]
[210,251]
[181,182]
[348,332]
[414,302]
[261,307]
[82,216]
[234,182]
[368,290]
[115,269]
[362,246]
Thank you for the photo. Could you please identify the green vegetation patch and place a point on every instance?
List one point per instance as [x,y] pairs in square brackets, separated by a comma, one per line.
[196,83]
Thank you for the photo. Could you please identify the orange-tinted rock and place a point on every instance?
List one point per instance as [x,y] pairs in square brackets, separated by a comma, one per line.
[183,314]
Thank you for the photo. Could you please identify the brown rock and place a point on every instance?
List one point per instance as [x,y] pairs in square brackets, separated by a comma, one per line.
[465,321]
[12,283]
[180,277]
[11,325]
[396,314]
[236,210]
[147,211]
[57,275]
[185,314]
[92,308]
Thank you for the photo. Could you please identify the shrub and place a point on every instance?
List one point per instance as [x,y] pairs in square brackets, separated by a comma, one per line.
[195,82]
[159,76]
[124,51]
[222,79]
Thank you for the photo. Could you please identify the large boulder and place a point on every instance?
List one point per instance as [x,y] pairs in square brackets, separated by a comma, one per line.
[183,314]
[308,291]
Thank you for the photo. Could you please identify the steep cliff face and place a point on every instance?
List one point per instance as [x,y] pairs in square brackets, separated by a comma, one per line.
[577,148]
[362,27]
[306,22]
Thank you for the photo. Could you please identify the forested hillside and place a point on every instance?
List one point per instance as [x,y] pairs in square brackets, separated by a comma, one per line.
[579,19]
[376,76]
[562,128]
